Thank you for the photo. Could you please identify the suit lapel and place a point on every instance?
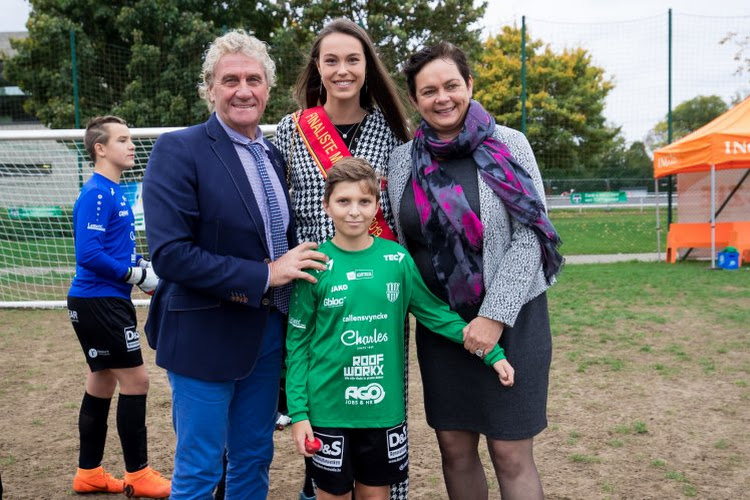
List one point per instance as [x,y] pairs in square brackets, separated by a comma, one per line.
[224,149]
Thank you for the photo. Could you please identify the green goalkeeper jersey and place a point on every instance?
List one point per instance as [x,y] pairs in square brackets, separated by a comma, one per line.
[345,341]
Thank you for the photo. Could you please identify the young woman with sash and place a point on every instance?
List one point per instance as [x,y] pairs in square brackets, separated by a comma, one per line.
[349,107]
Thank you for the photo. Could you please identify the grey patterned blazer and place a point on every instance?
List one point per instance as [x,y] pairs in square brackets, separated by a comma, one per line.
[511,252]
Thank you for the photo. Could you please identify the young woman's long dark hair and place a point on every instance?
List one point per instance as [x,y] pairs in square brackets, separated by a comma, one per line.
[378,89]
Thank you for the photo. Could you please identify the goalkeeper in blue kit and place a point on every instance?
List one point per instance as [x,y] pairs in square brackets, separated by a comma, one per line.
[104,319]
[345,344]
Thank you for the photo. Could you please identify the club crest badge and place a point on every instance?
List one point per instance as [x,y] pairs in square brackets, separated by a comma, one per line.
[392,290]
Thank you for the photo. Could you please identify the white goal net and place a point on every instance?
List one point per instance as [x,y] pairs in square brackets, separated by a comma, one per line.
[41,173]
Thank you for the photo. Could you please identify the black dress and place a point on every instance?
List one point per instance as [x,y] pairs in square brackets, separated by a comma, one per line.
[461,392]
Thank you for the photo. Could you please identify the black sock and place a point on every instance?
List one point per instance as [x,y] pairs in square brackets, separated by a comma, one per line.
[308,488]
[131,426]
[92,429]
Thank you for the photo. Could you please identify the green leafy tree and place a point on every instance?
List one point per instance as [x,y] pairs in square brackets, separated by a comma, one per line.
[564,105]
[397,29]
[686,117]
[625,161]
[141,58]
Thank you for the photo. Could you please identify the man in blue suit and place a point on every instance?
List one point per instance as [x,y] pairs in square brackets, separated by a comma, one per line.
[222,240]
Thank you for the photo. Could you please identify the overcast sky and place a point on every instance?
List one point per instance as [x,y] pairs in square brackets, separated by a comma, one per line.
[503,11]
[626,38]
[629,40]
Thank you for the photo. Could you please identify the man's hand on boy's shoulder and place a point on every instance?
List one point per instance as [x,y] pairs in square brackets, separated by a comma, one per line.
[292,265]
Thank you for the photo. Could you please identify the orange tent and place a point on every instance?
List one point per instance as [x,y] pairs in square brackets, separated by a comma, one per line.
[723,143]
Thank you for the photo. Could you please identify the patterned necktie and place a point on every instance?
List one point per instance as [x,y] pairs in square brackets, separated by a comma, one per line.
[281,294]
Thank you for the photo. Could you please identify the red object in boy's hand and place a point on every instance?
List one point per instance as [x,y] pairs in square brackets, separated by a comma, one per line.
[313,446]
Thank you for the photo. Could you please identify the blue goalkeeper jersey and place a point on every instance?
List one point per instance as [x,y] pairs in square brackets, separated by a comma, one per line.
[104,235]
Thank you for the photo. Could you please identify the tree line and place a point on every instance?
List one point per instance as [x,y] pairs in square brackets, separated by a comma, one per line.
[142,59]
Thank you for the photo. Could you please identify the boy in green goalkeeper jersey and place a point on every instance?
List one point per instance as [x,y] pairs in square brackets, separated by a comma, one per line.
[345,343]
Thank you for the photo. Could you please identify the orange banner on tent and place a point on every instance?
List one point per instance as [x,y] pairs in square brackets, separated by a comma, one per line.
[723,142]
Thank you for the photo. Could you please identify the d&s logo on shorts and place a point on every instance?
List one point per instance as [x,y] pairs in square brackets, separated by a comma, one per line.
[132,338]
[331,454]
[93,353]
[398,443]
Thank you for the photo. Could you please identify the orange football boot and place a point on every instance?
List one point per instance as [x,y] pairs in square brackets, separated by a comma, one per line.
[96,481]
[147,483]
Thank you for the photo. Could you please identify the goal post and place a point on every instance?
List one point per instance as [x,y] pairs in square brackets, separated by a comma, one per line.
[41,174]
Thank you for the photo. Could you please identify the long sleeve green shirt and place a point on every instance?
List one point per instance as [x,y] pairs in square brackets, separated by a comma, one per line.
[345,340]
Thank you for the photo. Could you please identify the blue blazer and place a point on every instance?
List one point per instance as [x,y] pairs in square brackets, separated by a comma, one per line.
[208,245]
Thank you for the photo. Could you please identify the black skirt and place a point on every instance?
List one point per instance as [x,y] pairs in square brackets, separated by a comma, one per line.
[462,393]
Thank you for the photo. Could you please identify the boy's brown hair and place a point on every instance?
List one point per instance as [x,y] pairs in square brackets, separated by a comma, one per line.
[97,132]
[351,169]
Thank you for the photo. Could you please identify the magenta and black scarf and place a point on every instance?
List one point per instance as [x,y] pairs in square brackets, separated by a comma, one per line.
[453,231]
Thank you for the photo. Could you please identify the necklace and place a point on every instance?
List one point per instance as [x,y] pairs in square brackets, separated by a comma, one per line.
[349,134]
[346,129]
[343,130]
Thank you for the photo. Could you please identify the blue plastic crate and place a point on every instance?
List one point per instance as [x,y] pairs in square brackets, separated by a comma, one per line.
[729,260]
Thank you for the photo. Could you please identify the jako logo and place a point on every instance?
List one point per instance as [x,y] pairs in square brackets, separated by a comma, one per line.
[339,288]
[373,392]
[329,302]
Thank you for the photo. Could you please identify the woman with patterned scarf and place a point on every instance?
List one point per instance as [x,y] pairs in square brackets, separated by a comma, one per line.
[467,197]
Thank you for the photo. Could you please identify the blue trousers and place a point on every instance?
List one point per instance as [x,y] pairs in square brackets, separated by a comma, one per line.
[236,415]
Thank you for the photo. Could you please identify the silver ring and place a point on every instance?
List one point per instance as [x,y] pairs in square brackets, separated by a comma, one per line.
[479,352]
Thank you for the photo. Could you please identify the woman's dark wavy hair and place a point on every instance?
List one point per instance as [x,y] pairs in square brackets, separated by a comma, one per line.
[379,87]
[442,50]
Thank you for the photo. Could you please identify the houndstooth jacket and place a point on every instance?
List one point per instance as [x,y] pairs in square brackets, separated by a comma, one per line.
[511,252]
[306,184]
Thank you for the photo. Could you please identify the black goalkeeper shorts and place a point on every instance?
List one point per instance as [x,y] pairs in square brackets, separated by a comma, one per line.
[106,330]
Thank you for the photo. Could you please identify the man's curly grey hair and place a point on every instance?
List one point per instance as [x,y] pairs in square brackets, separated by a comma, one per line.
[233,42]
